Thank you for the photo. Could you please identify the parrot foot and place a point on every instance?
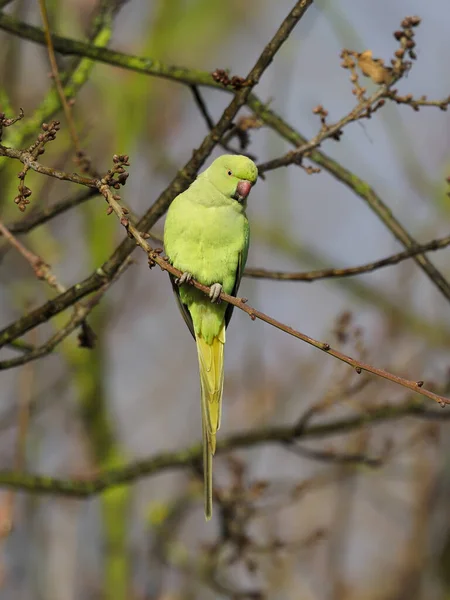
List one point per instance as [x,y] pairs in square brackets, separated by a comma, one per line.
[185,278]
[215,291]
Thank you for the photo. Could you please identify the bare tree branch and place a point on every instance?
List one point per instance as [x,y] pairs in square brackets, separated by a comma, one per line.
[350,271]
[190,457]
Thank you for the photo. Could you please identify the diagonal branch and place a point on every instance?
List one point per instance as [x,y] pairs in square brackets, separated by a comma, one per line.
[359,366]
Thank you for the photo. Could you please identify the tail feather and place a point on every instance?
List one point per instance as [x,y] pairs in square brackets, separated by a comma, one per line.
[210,358]
[207,475]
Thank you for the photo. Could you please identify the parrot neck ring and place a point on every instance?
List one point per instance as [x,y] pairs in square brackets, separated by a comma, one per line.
[242,190]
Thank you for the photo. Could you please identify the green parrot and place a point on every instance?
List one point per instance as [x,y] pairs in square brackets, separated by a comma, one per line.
[206,236]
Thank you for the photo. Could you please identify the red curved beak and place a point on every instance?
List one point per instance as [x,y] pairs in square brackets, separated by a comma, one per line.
[243,189]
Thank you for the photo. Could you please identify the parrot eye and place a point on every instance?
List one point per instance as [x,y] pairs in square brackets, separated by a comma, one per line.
[230,173]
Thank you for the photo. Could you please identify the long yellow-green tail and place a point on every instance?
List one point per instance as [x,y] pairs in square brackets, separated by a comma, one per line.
[210,359]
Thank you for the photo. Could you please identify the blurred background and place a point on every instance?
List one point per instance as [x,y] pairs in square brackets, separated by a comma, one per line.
[358,515]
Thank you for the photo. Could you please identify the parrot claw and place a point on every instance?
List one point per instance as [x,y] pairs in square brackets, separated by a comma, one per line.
[185,278]
[215,291]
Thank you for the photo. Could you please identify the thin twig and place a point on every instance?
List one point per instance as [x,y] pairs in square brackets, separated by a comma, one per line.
[28,160]
[203,109]
[417,103]
[350,271]
[294,156]
[201,104]
[21,346]
[41,268]
[340,458]
[57,79]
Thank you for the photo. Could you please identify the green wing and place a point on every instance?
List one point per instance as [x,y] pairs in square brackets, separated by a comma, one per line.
[240,271]
[183,308]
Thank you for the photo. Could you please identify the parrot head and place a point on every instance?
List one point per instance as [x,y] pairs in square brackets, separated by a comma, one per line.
[233,175]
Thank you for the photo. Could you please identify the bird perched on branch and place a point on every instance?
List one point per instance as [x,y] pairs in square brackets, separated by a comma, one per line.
[206,236]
